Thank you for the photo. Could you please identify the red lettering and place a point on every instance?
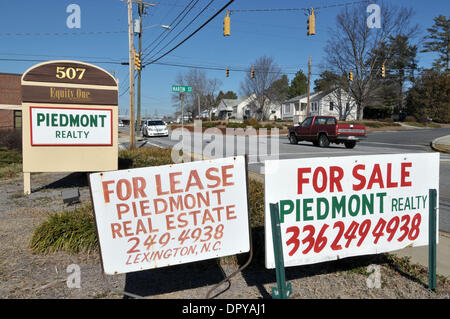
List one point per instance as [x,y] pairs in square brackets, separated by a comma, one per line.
[405,174]
[376,177]
[106,191]
[301,180]
[359,177]
[120,189]
[159,190]
[210,177]
[138,187]
[389,183]
[198,183]
[324,179]
[225,176]
[336,179]
[174,182]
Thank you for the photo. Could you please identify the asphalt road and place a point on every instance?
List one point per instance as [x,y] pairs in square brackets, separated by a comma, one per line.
[377,142]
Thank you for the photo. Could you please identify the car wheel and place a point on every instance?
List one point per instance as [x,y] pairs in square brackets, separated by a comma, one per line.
[349,144]
[323,140]
[293,139]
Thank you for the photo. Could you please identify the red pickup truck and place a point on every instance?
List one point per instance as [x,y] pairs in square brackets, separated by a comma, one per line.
[323,130]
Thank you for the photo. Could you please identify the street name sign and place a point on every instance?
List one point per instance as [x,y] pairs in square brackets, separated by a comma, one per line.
[331,208]
[181,89]
[69,119]
[168,215]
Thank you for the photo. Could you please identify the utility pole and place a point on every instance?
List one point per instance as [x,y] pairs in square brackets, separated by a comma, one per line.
[309,80]
[141,12]
[131,65]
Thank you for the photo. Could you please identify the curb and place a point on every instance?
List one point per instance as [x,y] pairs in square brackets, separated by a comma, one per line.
[443,148]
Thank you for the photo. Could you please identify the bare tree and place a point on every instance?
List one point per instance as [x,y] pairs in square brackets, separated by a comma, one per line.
[203,91]
[352,44]
[266,72]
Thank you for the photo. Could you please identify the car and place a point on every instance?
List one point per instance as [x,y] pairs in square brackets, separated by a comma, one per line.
[323,130]
[154,128]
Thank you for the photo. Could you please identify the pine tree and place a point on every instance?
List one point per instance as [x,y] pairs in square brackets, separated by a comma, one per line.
[439,41]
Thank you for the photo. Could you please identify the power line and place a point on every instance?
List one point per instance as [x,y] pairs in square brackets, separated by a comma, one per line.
[166,34]
[193,33]
[183,29]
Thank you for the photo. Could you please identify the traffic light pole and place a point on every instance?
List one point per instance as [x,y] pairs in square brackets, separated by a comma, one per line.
[309,79]
[131,66]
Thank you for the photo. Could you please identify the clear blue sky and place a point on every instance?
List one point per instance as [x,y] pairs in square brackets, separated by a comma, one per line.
[37,30]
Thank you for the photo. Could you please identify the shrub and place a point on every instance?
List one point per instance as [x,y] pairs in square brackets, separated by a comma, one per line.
[144,157]
[410,118]
[252,122]
[237,125]
[11,139]
[70,231]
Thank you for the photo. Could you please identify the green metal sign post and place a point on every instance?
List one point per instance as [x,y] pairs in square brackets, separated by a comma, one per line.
[432,240]
[283,291]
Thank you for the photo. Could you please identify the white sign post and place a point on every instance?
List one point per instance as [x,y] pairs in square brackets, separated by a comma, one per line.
[331,208]
[167,215]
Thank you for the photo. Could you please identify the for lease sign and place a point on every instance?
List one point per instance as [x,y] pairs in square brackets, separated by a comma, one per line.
[331,208]
[70,126]
[166,215]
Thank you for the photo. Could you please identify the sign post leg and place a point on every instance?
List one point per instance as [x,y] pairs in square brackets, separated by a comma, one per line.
[432,240]
[282,291]
[27,183]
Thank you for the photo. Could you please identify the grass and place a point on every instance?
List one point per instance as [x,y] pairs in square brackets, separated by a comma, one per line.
[10,163]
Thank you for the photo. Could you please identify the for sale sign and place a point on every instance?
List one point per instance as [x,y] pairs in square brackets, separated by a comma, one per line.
[160,216]
[331,208]
[71,126]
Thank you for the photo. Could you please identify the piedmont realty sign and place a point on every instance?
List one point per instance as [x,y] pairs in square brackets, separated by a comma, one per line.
[67,126]
[331,208]
[69,119]
[167,215]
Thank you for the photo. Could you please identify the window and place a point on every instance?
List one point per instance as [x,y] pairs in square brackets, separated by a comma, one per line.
[331,121]
[17,119]
[296,107]
[287,108]
[331,106]
[303,107]
[307,122]
[321,120]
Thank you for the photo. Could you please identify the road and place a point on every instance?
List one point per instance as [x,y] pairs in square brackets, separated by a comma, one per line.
[377,142]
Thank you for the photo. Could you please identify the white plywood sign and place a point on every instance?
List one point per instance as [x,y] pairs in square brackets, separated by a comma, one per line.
[338,207]
[166,215]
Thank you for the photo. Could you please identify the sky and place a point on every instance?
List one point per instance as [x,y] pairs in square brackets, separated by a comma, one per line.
[35,31]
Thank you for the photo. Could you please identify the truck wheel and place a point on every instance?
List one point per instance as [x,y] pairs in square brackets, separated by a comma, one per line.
[293,139]
[349,144]
[323,140]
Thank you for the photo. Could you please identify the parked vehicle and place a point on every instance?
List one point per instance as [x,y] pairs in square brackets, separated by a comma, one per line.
[323,130]
[154,128]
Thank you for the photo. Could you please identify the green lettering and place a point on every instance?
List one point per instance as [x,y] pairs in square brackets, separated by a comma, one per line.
[40,118]
[381,197]
[74,120]
[84,120]
[54,119]
[58,134]
[350,205]
[367,204]
[320,201]
[63,120]
[306,209]
[394,205]
[102,117]
[337,206]
[283,210]
[93,119]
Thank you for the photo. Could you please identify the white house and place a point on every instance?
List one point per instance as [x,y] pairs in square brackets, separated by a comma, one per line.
[245,108]
[335,102]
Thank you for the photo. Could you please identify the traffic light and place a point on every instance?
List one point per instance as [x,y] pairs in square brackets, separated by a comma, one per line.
[311,23]
[252,73]
[137,61]
[226,24]
[227,72]
[350,76]
[383,70]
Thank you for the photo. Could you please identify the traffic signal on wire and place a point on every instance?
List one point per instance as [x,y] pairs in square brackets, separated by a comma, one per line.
[311,23]
[252,73]
[227,72]
[383,70]
[226,24]
[350,76]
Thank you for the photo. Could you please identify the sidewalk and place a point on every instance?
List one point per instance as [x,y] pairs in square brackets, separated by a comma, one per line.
[441,144]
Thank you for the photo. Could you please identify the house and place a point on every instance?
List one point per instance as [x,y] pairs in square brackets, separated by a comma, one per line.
[334,102]
[10,101]
[246,108]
